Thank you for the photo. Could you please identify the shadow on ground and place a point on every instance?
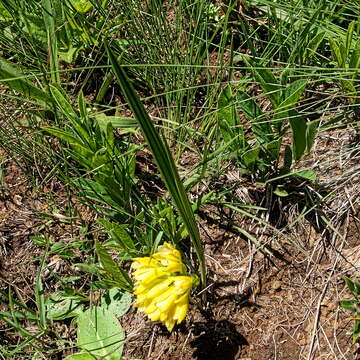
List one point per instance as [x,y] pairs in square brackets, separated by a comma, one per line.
[216,340]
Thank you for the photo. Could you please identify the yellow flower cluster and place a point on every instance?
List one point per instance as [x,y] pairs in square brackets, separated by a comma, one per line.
[161,288]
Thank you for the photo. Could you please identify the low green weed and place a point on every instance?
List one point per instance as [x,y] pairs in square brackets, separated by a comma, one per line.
[259,148]
[346,52]
[353,305]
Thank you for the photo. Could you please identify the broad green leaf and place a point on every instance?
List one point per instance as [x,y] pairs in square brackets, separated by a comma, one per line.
[292,94]
[82,6]
[91,269]
[4,13]
[82,106]
[354,62]
[287,159]
[337,50]
[60,308]
[290,97]
[250,157]
[226,107]
[115,121]
[273,149]
[81,356]
[268,83]
[11,75]
[116,301]
[164,160]
[99,333]
[356,330]
[313,45]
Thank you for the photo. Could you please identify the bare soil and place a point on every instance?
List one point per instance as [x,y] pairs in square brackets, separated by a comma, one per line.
[277,302]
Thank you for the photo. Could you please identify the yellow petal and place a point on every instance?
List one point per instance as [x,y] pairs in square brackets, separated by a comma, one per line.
[159,288]
[180,312]
[169,324]
[166,304]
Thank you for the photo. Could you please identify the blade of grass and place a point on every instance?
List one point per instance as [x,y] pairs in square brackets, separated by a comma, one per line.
[164,160]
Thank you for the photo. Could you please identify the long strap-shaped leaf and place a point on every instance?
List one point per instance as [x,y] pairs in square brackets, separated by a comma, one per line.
[164,160]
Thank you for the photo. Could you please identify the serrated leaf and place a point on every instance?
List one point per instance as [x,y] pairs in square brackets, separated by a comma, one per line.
[111,269]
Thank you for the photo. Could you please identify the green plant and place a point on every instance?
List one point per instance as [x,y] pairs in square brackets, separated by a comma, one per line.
[164,160]
[99,334]
[353,305]
[259,149]
[346,51]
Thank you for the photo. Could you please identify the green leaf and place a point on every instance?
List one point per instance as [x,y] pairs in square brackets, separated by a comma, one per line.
[298,127]
[313,45]
[259,124]
[11,75]
[115,121]
[111,269]
[311,131]
[250,157]
[337,51]
[353,286]
[305,174]
[116,301]
[280,191]
[356,330]
[119,235]
[228,120]
[349,37]
[82,6]
[268,83]
[81,356]
[287,160]
[290,96]
[60,308]
[354,62]
[100,334]
[164,160]
[273,149]
[62,100]
[349,304]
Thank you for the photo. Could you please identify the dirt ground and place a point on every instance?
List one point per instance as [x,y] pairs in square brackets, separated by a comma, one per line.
[279,301]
